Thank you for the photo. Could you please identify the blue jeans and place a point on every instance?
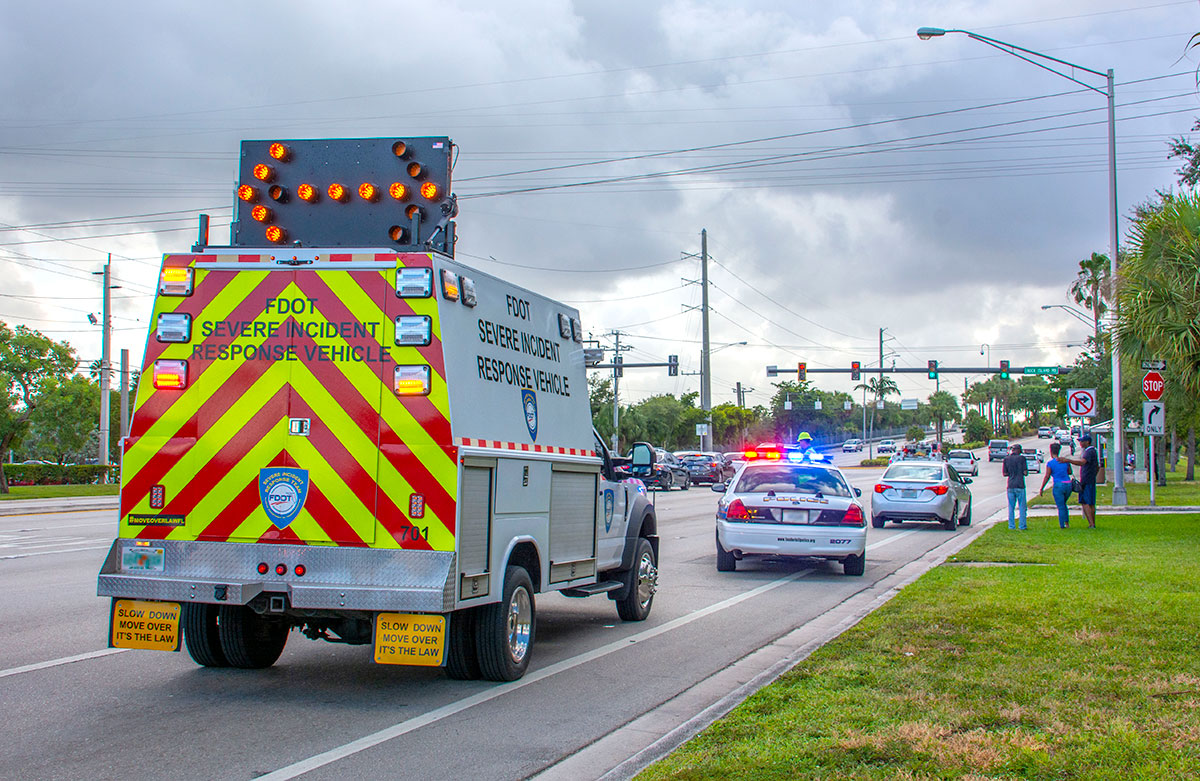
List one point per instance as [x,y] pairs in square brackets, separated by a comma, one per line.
[1016,498]
[1062,492]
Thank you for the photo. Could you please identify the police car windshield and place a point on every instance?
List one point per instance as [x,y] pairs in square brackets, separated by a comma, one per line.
[913,472]
[791,479]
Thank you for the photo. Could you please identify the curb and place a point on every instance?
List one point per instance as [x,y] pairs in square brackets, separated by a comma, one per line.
[59,505]
[746,676]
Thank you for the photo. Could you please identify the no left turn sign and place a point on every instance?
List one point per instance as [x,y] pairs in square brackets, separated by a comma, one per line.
[1081,402]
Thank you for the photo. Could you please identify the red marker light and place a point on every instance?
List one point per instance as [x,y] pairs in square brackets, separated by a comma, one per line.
[279,152]
[262,568]
[280,569]
[299,569]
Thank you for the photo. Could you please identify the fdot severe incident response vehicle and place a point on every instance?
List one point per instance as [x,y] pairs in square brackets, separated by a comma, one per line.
[341,430]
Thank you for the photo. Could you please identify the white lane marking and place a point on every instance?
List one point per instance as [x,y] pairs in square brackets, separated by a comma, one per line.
[49,552]
[433,716]
[28,668]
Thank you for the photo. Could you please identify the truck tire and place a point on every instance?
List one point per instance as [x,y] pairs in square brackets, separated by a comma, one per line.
[462,660]
[250,641]
[504,630]
[642,584]
[200,635]
[726,561]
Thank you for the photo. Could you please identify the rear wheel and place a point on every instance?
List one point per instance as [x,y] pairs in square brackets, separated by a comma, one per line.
[855,565]
[200,635]
[642,582]
[668,481]
[877,522]
[726,561]
[249,640]
[966,519]
[504,630]
[951,523]
[462,658]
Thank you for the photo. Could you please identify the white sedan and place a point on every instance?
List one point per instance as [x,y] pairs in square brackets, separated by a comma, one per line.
[791,507]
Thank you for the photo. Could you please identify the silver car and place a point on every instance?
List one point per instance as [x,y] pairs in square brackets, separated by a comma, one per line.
[964,462]
[922,491]
[791,508]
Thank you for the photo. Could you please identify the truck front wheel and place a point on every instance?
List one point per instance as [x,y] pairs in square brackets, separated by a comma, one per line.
[200,634]
[249,640]
[642,583]
[504,630]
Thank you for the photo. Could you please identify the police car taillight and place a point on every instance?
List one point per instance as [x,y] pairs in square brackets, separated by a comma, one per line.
[449,285]
[170,375]
[173,327]
[854,516]
[412,380]
[176,281]
[414,330]
[414,282]
[737,511]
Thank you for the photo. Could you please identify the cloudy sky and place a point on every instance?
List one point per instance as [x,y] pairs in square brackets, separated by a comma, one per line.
[850,176]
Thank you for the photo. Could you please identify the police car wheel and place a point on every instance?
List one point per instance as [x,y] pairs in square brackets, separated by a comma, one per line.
[200,635]
[855,565]
[504,630]
[250,641]
[462,659]
[642,582]
[726,561]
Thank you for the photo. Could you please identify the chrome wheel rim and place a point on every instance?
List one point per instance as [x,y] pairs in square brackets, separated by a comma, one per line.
[647,584]
[520,623]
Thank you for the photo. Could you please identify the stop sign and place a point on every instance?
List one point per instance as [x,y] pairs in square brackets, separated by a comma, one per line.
[1152,386]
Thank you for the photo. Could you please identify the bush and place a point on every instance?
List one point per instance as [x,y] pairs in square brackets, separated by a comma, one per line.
[53,474]
[878,461]
[914,434]
[977,428]
[972,445]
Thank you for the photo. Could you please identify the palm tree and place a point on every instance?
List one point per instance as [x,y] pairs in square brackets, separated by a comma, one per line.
[1160,293]
[1092,289]
[943,407]
[880,388]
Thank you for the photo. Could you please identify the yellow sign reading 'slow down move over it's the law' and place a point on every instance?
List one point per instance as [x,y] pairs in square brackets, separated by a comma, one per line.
[410,638]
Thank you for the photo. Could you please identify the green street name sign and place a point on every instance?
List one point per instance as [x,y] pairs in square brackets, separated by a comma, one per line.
[1040,370]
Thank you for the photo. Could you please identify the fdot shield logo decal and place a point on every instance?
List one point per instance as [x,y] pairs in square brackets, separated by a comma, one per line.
[610,501]
[529,405]
[282,491]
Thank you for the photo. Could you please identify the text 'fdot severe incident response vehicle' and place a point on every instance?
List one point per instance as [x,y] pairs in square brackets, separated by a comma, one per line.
[341,430]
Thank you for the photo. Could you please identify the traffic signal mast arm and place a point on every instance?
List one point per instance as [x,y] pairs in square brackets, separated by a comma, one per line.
[1026,370]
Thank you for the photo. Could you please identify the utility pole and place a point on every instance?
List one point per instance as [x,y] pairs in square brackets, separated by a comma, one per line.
[124,393]
[741,392]
[106,341]
[617,350]
[705,351]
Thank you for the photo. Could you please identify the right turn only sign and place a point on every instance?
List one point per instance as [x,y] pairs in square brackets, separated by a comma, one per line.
[1081,402]
[1153,413]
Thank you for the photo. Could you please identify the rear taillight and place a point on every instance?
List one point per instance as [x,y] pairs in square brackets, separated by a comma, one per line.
[937,489]
[414,330]
[414,282]
[881,487]
[737,511]
[170,375]
[176,281]
[854,516]
[173,327]
[412,380]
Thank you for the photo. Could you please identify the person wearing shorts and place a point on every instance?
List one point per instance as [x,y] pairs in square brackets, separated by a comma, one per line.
[1089,468]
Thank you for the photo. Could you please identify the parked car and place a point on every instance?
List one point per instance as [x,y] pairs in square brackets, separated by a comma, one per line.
[789,508]
[922,491]
[886,446]
[997,449]
[1045,432]
[964,462]
[705,467]
[852,446]
[669,472]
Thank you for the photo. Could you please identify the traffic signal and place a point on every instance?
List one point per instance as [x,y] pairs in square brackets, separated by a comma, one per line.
[672,365]
[933,370]
[855,370]
[802,371]
[1004,370]
[620,371]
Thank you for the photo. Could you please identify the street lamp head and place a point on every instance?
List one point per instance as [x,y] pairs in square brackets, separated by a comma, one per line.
[1047,306]
[925,33]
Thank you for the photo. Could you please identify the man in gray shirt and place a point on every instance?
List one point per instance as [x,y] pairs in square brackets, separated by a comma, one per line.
[1014,469]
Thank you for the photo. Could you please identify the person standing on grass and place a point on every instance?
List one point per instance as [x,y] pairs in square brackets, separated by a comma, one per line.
[1089,468]
[1060,470]
[1014,469]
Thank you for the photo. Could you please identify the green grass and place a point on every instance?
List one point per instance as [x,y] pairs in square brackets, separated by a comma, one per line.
[1176,493]
[1082,669]
[58,491]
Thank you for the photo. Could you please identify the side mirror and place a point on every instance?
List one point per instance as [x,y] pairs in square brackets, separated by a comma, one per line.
[966,481]
[858,492]
[643,458]
[719,487]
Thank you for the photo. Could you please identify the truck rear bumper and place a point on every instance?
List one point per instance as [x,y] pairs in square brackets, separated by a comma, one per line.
[336,579]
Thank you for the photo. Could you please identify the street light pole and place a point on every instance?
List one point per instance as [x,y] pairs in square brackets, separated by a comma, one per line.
[1119,497]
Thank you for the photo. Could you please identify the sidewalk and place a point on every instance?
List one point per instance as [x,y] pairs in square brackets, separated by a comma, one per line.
[64,504]
[1050,511]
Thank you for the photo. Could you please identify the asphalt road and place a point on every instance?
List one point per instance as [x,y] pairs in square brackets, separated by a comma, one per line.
[75,709]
